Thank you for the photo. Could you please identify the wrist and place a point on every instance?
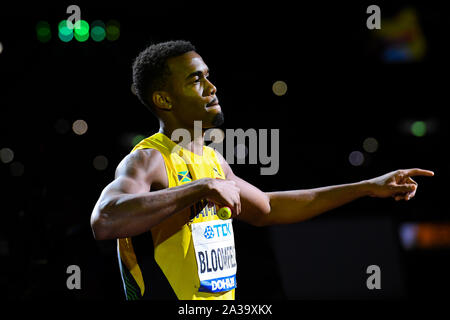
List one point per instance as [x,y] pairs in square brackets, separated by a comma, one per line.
[206,185]
[365,188]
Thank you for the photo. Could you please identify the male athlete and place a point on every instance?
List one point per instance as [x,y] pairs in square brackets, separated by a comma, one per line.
[162,205]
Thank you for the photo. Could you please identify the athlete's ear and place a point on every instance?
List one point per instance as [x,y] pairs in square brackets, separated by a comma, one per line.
[162,100]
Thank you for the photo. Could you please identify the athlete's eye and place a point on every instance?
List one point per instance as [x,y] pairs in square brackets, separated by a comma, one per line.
[199,78]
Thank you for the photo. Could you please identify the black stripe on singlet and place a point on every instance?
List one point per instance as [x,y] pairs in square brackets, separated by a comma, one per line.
[157,287]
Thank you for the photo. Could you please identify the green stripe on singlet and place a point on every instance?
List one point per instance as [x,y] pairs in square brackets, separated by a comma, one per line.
[133,292]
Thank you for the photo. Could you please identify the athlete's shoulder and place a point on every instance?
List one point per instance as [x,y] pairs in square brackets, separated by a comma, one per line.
[148,160]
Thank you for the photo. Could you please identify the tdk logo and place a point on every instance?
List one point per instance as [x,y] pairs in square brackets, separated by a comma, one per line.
[222,230]
[209,233]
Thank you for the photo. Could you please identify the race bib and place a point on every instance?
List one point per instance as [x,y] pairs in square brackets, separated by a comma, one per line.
[215,254]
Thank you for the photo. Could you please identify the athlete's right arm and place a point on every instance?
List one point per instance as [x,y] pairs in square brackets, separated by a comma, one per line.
[139,197]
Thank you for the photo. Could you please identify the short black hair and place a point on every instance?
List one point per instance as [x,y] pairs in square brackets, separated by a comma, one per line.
[150,69]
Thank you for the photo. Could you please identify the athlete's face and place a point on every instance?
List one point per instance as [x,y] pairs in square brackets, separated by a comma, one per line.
[193,96]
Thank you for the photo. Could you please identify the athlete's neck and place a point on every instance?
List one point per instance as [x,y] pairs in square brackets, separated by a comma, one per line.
[191,139]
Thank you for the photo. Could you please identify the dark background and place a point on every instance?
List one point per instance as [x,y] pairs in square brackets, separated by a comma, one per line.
[339,92]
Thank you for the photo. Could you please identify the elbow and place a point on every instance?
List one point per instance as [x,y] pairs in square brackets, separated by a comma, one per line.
[100,225]
[266,214]
[266,208]
[263,215]
[99,231]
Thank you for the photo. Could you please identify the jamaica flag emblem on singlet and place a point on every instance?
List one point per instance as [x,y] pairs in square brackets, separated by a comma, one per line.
[184,176]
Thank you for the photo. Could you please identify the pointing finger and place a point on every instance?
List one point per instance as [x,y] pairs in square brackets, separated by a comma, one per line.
[418,172]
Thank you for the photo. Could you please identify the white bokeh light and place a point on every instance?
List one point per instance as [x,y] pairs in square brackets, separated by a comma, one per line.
[356,158]
[6,155]
[80,127]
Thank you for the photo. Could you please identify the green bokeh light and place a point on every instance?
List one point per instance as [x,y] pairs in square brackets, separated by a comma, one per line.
[113,30]
[43,31]
[64,32]
[419,128]
[98,32]
[81,33]
[137,139]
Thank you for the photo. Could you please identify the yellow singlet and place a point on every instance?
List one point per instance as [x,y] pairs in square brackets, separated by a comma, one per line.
[162,263]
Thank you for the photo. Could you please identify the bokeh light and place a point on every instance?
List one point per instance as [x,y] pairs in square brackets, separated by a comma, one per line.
[279,88]
[6,155]
[401,37]
[98,30]
[408,234]
[17,169]
[100,162]
[136,139]
[80,127]
[81,33]
[425,235]
[43,31]
[419,128]
[112,30]
[64,32]
[370,145]
[356,158]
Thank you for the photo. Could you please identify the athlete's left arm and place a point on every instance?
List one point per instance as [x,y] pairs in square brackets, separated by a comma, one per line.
[283,207]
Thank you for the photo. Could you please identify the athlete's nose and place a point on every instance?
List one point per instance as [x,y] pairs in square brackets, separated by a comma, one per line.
[212,90]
